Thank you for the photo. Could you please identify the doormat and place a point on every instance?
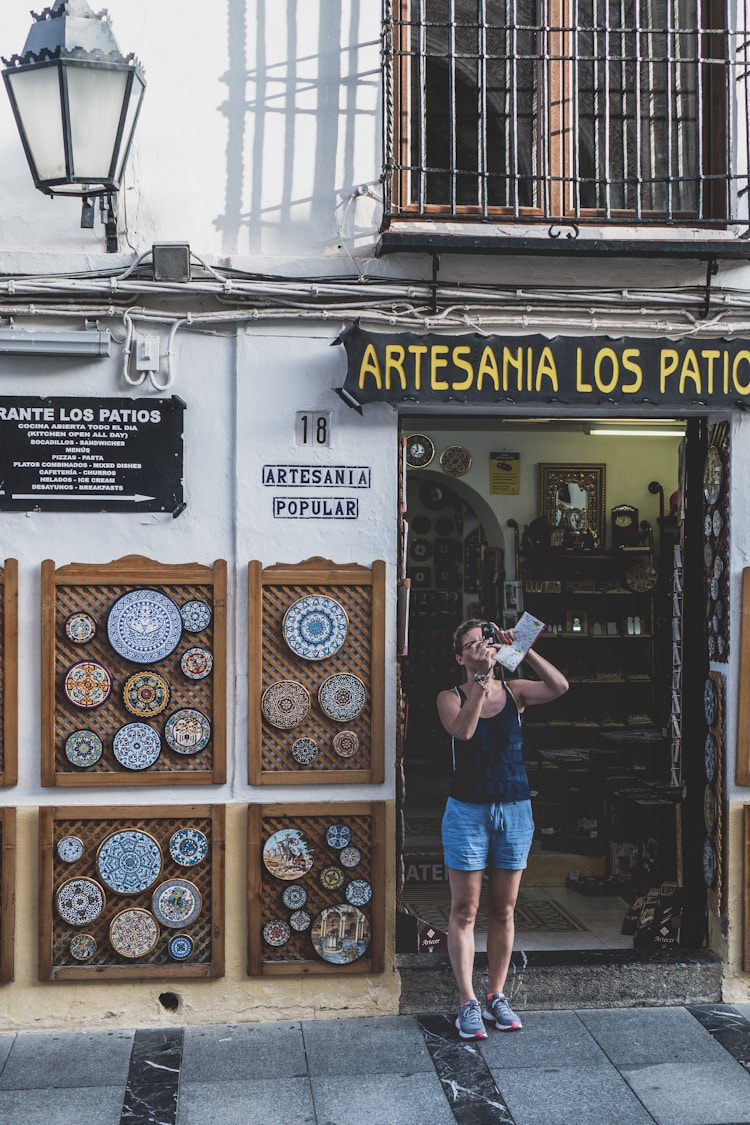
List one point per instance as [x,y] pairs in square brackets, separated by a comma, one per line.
[531,915]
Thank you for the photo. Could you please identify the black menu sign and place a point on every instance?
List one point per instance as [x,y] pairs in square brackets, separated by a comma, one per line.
[91,454]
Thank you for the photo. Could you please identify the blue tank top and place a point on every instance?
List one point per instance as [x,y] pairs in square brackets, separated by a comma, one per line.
[489,767]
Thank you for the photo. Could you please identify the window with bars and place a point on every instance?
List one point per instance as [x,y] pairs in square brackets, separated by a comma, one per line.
[624,110]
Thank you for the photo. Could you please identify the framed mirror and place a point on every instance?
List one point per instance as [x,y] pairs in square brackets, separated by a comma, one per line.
[571,499]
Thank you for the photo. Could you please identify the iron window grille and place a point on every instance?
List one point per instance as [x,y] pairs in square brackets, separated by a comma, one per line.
[625,111]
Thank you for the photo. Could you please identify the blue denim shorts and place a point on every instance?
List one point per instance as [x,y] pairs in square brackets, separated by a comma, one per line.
[479,836]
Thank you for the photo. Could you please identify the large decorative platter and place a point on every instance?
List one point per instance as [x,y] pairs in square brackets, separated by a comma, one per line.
[146,694]
[129,861]
[285,703]
[196,616]
[340,934]
[176,903]
[342,697]
[287,854]
[80,628]
[144,626]
[136,746]
[133,933]
[188,846]
[83,748]
[315,627]
[187,731]
[79,901]
[196,663]
[87,684]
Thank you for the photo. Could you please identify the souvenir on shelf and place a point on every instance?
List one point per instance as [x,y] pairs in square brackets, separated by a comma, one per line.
[136,746]
[129,861]
[187,731]
[87,684]
[146,694]
[196,663]
[177,902]
[79,901]
[188,846]
[144,626]
[285,703]
[196,616]
[133,933]
[340,934]
[315,627]
[80,628]
[288,854]
[83,748]
[342,697]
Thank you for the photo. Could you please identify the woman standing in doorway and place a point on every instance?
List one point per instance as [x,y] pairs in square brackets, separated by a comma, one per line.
[488,821]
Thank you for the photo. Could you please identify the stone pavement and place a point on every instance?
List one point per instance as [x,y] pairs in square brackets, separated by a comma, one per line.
[624,1066]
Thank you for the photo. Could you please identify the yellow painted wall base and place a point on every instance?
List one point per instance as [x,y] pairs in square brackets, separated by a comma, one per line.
[29,1004]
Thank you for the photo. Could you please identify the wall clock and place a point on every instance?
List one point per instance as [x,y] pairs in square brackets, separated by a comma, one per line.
[420,450]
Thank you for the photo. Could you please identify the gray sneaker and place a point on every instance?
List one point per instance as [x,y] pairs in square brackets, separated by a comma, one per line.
[469,1021]
[498,1009]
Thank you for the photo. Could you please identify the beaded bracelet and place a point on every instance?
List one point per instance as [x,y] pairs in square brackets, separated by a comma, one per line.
[482,680]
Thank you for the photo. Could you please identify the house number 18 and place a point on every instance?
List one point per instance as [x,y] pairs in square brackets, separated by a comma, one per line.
[312,429]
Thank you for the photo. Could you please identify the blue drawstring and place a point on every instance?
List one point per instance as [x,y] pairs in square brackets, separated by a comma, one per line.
[496,818]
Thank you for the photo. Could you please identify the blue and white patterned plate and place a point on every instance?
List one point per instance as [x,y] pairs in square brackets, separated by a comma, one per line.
[358,892]
[79,901]
[80,628]
[180,947]
[136,746]
[304,751]
[176,903]
[188,846]
[83,748]
[196,616]
[129,861]
[315,627]
[70,848]
[144,626]
[338,836]
[300,920]
[187,731]
[294,897]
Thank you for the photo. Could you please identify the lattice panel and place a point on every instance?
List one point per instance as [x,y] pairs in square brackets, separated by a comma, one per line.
[365,824]
[206,876]
[714,800]
[280,663]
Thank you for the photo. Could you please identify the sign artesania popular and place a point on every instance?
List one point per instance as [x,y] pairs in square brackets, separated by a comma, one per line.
[595,371]
[91,454]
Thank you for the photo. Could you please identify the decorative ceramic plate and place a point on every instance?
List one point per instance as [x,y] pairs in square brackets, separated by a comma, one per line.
[342,697]
[708,554]
[136,746]
[433,496]
[315,627]
[196,663]
[709,701]
[79,901]
[707,525]
[712,475]
[87,684]
[346,743]
[711,646]
[83,748]
[717,523]
[285,703]
[80,628]
[144,626]
[305,750]
[287,854]
[196,616]
[358,892]
[718,566]
[331,878]
[294,897]
[455,460]
[710,811]
[146,694]
[340,934]
[70,848]
[276,932]
[714,586]
[420,525]
[710,756]
[133,933]
[641,578]
[176,903]
[129,861]
[420,550]
[420,450]
[180,947]
[338,836]
[187,731]
[709,864]
[350,857]
[188,846]
[82,947]
[300,920]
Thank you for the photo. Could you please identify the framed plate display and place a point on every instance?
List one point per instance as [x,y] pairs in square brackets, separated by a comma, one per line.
[129,861]
[136,746]
[342,697]
[120,870]
[187,731]
[176,903]
[420,450]
[285,704]
[188,846]
[340,934]
[315,627]
[288,854]
[133,933]
[80,628]
[136,606]
[144,626]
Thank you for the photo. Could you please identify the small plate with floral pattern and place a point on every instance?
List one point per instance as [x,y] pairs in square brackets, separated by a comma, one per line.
[80,628]
[276,932]
[305,751]
[350,857]
[358,892]
[285,703]
[196,616]
[136,746]
[83,748]
[133,933]
[346,743]
[338,835]
[294,897]
[87,684]
[196,663]
[188,846]
[342,697]
[82,947]
[176,902]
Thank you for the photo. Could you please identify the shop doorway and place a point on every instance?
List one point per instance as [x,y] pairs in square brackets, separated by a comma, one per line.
[586,532]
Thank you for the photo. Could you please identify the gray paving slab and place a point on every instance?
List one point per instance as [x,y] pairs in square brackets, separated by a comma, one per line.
[82,1106]
[76,1059]
[6,1042]
[261,1101]
[591,1095]
[381,1099]
[743,1009]
[708,1093]
[232,1052]
[548,1039]
[370,1045]
[634,1036]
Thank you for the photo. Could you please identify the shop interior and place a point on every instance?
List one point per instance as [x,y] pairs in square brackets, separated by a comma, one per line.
[580,523]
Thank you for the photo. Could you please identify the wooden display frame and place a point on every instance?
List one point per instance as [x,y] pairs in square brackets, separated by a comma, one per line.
[361,592]
[93,588]
[7,892]
[743,719]
[746,896]
[93,825]
[9,672]
[367,822]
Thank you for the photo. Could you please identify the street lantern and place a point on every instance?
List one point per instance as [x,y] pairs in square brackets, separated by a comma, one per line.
[76,101]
